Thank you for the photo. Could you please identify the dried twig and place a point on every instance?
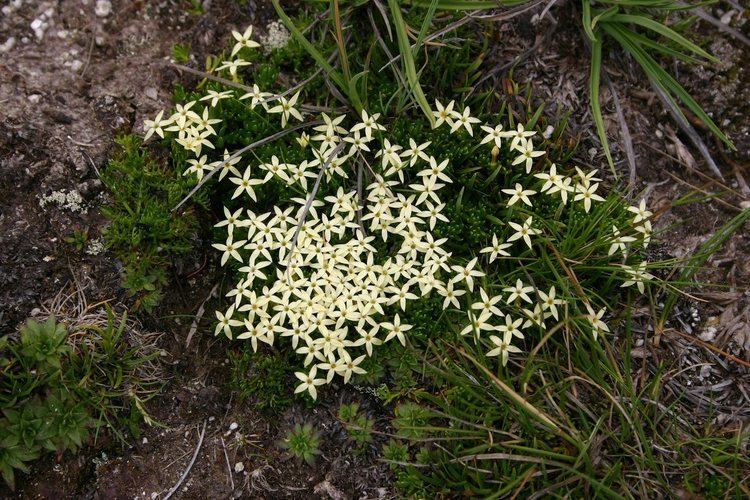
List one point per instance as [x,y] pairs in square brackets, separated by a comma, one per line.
[381,9]
[710,347]
[229,466]
[244,150]
[510,13]
[332,156]
[199,315]
[385,48]
[627,140]
[190,465]
[546,10]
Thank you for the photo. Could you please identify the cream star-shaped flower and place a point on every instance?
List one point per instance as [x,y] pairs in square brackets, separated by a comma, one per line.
[464,120]
[640,212]
[396,329]
[519,193]
[587,194]
[230,249]
[549,301]
[497,249]
[511,326]
[519,291]
[467,273]
[156,126]
[503,348]
[215,96]
[494,135]
[524,231]
[257,97]
[245,185]
[226,322]
[637,276]
[243,40]
[444,114]
[595,318]
[451,295]
[368,124]
[487,304]
[477,324]
[287,109]
[528,153]
[309,382]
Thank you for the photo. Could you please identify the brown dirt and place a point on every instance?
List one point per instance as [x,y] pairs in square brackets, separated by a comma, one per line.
[64,99]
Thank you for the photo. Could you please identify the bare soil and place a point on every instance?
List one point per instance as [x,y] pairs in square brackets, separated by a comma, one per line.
[65,97]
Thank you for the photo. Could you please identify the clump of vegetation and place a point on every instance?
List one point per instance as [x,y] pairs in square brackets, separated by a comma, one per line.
[63,384]
[79,239]
[358,426]
[143,232]
[264,379]
[569,418]
[303,442]
[334,234]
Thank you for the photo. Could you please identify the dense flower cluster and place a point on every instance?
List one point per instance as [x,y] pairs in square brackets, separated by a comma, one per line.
[311,270]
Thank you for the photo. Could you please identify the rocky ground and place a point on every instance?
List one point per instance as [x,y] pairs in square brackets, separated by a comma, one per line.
[76,73]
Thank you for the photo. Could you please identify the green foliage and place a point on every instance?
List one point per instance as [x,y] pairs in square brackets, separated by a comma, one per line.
[357,425]
[489,430]
[195,7]
[640,27]
[181,52]
[570,416]
[645,29]
[500,429]
[52,396]
[395,452]
[143,232]
[410,419]
[43,344]
[262,377]
[78,239]
[303,442]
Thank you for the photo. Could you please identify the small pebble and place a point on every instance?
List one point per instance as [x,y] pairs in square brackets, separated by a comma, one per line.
[8,45]
[727,17]
[239,467]
[103,8]
[233,426]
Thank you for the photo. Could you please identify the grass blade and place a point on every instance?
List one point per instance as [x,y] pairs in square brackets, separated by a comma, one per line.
[596,109]
[662,30]
[408,59]
[335,76]
[662,77]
